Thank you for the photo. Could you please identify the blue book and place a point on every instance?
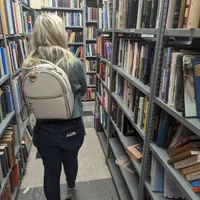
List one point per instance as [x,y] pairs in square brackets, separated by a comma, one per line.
[195,183]
[7,100]
[18,96]
[3,56]
[106,17]
[162,133]
[120,86]
[196,69]
[11,99]
[157,176]
[167,74]
[3,164]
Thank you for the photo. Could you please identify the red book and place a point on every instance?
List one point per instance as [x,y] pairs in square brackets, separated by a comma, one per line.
[196,189]
[16,175]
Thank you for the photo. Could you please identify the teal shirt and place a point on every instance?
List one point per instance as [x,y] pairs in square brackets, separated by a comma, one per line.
[77,78]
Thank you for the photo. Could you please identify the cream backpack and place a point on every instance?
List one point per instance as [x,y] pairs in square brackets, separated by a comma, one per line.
[47,91]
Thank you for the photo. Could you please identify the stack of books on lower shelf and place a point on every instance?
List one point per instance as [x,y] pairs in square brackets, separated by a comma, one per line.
[182,145]
[91,65]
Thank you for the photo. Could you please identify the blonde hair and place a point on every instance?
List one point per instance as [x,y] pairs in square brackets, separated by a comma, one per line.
[48,41]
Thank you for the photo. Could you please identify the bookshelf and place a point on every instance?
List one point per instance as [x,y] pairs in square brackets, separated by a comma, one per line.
[109,129]
[86,38]
[15,129]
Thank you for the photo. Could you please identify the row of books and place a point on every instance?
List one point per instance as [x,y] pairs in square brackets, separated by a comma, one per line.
[62,3]
[6,102]
[77,51]
[182,146]
[12,18]
[177,86]
[10,163]
[91,14]
[103,95]
[104,74]
[183,14]
[91,49]
[90,93]
[104,46]
[17,52]
[133,154]
[91,32]
[90,65]
[105,15]
[74,36]
[91,79]
[136,59]
[18,93]
[135,100]
[69,18]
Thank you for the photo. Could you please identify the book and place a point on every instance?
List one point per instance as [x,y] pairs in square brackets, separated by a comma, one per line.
[157,175]
[126,164]
[191,169]
[135,151]
[196,70]
[188,96]
[187,162]
[184,155]
[191,145]
[165,125]
[196,189]
[193,19]
[193,176]
[195,183]
[171,189]
[182,12]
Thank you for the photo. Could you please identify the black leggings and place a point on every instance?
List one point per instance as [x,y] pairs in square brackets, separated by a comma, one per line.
[58,143]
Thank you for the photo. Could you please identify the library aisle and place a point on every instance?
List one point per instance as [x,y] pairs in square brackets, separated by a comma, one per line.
[94,181]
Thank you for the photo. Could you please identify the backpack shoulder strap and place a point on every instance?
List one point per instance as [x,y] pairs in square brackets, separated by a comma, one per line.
[59,61]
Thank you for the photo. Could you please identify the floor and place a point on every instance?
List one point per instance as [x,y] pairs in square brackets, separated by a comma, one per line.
[94,181]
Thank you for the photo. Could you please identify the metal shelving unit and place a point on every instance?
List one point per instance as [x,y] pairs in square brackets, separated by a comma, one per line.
[120,142]
[14,116]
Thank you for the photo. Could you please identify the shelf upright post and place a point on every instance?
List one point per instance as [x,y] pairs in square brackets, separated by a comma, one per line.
[146,162]
[110,129]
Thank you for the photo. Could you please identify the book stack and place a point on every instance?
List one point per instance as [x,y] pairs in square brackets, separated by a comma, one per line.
[105,15]
[126,164]
[91,65]
[183,14]
[103,116]
[18,94]
[77,51]
[90,93]
[91,79]
[91,32]
[136,59]
[134,99]
[17,52]
[11,16]
[27,22]
[149,12]
[69,18]
[6,102]
[74,36]
[126,14]
[103,95]
[104,47]
[91,14]
[91,49]
[104,74]
[61,3]
[182,146]
[135,152]
[177,86]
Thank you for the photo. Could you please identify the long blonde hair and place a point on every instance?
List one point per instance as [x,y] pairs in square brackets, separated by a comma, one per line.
[48,41]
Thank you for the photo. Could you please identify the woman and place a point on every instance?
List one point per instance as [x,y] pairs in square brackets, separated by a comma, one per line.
[53,139]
